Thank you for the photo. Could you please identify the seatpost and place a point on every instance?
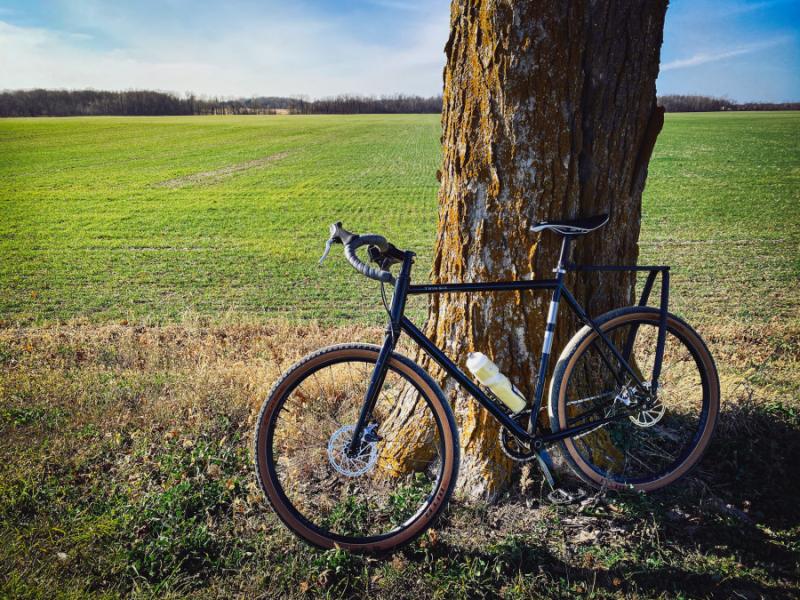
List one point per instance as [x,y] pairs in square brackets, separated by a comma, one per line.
[563,258]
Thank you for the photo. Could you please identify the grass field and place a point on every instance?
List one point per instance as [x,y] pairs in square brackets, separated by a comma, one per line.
[114,218]
[98,222]
[158,274]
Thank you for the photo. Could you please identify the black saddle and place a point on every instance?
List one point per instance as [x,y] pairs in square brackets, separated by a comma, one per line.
[574,227]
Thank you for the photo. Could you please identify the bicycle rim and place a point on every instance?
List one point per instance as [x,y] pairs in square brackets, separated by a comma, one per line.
[390,490]
[643,449]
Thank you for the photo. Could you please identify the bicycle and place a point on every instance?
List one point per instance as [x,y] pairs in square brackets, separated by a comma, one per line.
[356,445]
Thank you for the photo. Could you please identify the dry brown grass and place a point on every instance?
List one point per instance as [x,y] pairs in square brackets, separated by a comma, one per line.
[118,415]
[240,361]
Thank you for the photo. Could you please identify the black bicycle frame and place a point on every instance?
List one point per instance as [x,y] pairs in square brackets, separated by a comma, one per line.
[398,323]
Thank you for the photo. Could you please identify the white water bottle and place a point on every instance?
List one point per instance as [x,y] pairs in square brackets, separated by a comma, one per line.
[489,375]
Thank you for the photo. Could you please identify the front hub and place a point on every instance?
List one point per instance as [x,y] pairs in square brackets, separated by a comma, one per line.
[357,463]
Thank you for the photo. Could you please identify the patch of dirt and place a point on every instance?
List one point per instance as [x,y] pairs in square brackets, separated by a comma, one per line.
[216,175]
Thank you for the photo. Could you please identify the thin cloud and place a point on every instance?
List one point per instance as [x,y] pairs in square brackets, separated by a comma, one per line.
[398,5]
[703,58]
[263,57]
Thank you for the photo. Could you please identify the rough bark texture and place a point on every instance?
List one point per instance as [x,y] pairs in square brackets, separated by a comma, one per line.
[549,113]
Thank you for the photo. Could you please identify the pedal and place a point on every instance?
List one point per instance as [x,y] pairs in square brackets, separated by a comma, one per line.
[546,465]
[562,496]
[557,495]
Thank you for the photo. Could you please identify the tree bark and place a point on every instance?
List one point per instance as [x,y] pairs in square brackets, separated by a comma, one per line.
[549,113]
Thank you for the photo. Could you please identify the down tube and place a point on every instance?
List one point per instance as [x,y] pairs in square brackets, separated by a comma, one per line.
[448,365]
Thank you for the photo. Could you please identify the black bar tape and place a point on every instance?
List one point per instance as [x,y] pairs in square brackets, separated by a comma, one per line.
[356,242]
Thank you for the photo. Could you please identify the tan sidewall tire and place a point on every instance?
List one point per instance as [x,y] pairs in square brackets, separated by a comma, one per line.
[440,407]
[567,363]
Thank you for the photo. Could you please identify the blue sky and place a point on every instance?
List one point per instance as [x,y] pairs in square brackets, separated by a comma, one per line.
[745,50]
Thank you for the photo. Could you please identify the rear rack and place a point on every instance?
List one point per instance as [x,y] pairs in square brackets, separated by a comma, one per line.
[653,271]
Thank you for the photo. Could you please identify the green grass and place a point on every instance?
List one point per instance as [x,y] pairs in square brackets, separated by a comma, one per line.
[722,205]
[137,341]
[87,231]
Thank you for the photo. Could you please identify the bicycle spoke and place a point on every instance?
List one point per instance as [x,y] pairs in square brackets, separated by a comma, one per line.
[380,486]
[590,398]
[640,444]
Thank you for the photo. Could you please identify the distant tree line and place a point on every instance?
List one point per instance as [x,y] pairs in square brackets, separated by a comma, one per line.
[369,104]
[59,103]
[686,103]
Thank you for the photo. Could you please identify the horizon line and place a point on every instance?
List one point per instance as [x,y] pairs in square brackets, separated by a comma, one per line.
[308,98]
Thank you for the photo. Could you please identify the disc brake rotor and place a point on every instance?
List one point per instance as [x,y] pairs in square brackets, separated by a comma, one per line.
[342,462]
[649,416]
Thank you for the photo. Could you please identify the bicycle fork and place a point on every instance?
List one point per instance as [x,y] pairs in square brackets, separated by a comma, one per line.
[393,331]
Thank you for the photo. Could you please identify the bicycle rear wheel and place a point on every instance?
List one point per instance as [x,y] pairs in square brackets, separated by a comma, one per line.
[643,449]
[392,489]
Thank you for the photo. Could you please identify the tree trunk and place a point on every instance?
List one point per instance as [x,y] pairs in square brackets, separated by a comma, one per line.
[549,113]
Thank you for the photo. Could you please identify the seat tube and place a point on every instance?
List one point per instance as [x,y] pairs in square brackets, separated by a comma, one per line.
[549,332]
[547,345]
[393,331]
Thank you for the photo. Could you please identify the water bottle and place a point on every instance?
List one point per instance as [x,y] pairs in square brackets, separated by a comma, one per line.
[489,375]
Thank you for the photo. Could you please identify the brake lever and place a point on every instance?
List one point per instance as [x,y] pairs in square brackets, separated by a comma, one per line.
[328,245]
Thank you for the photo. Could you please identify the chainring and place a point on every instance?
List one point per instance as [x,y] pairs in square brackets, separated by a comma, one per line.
[511,446]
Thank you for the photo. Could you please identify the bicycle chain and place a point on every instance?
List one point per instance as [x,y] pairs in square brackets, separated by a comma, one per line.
[504,436]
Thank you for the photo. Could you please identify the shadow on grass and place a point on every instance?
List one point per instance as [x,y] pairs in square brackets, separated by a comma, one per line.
[549,575]
[729,530]
[752,464]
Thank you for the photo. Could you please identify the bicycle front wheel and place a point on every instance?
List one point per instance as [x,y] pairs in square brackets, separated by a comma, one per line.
[398,481]
[643,449]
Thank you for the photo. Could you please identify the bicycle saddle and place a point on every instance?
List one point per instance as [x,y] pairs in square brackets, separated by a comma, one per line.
[573,227]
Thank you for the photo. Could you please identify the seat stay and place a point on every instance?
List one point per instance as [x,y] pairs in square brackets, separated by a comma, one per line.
[653,271]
